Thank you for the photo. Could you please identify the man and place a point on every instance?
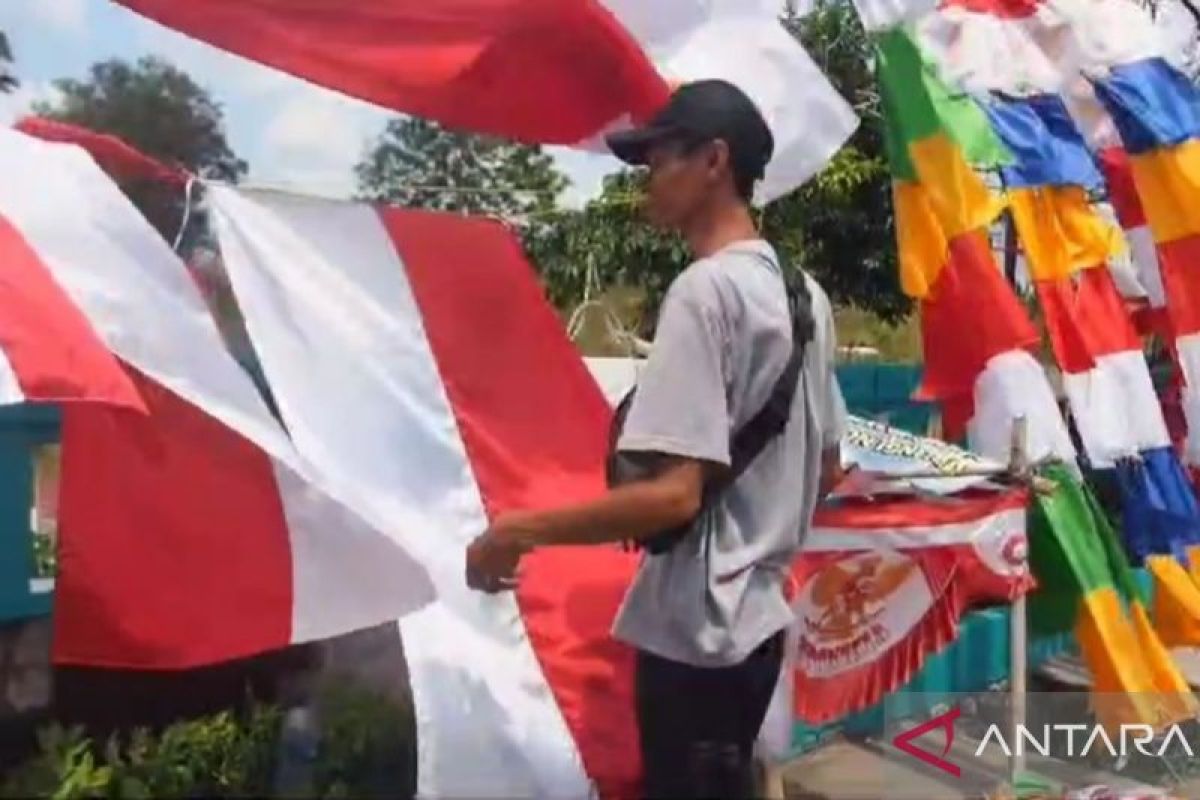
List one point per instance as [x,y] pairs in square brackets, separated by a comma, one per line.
[707,617]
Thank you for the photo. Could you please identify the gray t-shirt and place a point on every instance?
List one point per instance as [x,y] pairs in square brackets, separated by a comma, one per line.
[723,339]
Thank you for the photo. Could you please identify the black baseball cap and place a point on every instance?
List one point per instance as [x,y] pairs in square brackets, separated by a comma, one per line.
[703,111]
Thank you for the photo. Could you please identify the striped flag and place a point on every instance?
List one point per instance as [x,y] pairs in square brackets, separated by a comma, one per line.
[49,352]
[1086,585]
[200,502]
[415,360]
[545,72]
[976,333]
[1067,245]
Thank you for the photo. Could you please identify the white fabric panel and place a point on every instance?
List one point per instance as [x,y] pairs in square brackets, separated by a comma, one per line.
[743,42]
[137,295]
[983,53]
[1115,408]
[1188,348]
[616,376]
[10,387]
[878,15]
[1014,385]
[1121,265]
[998,526]
[341,339]
[1144,255]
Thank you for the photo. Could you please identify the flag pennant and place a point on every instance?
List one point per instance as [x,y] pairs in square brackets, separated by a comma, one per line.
[204,460]
[1086,585]
[987,380]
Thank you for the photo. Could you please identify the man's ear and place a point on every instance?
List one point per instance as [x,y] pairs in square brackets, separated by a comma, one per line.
[718,157]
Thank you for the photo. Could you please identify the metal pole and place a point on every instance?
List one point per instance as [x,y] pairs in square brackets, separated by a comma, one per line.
[1018,632]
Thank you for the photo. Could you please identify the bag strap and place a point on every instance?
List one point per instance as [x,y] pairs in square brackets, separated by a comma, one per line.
[771,420]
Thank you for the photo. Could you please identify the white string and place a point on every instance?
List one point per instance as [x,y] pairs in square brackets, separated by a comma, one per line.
[187,212]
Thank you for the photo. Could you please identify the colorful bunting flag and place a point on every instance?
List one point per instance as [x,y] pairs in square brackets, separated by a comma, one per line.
[975,330]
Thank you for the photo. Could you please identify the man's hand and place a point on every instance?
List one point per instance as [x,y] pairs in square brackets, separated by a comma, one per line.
[492,559]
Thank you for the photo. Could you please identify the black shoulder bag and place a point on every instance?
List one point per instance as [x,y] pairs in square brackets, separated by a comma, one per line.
[753,437]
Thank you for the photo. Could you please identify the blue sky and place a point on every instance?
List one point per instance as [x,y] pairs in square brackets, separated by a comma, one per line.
[292,133]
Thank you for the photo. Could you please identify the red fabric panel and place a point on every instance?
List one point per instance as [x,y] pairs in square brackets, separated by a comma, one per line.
[1179,262]
[174,550]
[50,345]
[535,427]
[120,160]
[1005,9]
[550,71]
[1122,192]
[970,316]
[1086,319]
[905,512]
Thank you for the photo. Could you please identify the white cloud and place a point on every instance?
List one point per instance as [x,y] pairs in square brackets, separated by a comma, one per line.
[68,16]
[586,170]
[210,65]
[18,103]
[316,137]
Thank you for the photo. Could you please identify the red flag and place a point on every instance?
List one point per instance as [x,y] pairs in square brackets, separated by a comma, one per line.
[541,71]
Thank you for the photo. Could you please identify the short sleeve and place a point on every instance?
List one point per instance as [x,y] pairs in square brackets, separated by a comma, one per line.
[832,404]
[681,406]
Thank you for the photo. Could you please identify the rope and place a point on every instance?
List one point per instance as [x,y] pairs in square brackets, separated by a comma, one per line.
[187,212]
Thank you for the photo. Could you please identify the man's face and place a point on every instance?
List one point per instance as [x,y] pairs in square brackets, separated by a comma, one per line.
[679,181]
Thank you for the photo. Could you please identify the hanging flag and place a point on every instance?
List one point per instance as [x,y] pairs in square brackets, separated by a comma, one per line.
[883,582]
[116,157]
[49,353]
[1086,585]
[201,503]
[1067,245]
[549,73]
[746,44]
[1156,111]
[553,73]
[464,399]
[976,333]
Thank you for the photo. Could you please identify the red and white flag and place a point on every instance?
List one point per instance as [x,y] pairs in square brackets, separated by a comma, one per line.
[546,72]
[416,362]
[191,531]
[882,584]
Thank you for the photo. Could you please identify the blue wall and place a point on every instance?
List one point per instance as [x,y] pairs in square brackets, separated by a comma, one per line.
[22,430]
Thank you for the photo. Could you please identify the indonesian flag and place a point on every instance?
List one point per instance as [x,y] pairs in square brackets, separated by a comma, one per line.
[561,72]
[417,364]
[191,529]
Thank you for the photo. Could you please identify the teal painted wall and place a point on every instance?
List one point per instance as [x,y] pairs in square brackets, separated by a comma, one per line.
[22,430]
[884,392]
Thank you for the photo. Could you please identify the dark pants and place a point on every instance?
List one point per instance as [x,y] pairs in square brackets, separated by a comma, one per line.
[698,725]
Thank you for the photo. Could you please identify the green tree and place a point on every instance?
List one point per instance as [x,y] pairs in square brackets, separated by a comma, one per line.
[8,81]
[161,111]
[838,226]
[420,164]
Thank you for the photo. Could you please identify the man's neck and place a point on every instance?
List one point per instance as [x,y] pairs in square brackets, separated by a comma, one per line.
[718,228]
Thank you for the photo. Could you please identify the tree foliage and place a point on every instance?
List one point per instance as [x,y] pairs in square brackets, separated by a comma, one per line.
[838,226]
[8,81]
[161,111]
[418,163]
